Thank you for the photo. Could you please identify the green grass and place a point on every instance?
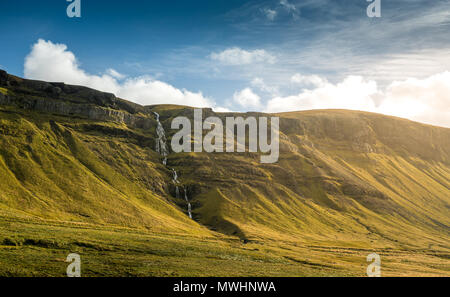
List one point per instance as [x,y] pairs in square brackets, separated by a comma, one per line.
[39,248]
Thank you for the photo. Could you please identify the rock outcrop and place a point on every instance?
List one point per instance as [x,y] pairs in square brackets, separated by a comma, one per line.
[69,100]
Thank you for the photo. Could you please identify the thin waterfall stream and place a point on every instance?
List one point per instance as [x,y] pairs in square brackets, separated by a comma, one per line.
[161,141]
[189,204]
[161,148]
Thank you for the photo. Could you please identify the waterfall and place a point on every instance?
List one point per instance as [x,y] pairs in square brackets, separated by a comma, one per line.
[161,148]
[189,204]
[176,182]
[175,176]
[161,141]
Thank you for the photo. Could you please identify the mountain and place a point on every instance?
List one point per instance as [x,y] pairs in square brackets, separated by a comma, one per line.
[79,172]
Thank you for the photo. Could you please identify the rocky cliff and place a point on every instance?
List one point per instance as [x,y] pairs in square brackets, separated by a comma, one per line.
[63,99]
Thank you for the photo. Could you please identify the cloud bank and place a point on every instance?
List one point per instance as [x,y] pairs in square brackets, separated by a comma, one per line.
[425,100]
[53,62]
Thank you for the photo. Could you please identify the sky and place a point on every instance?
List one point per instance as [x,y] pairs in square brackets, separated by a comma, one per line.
[236,55]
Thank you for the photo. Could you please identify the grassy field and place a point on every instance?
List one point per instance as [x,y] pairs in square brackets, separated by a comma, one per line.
[39,248]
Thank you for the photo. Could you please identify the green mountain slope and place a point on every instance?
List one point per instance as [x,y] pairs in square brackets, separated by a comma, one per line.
[345,180]
[75,169]
[342,175]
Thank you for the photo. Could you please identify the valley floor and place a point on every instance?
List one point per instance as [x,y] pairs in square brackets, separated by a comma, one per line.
[39,248]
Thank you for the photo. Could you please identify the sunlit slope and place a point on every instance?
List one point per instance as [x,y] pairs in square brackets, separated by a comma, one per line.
[70,169]
[343,176]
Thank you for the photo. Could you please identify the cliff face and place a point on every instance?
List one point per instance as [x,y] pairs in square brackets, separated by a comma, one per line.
[62,99]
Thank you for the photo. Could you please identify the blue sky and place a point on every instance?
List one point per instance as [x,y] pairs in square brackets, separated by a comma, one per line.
[274,55]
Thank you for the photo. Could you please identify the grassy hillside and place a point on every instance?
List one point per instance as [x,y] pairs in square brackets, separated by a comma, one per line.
[347,177]
[347,184]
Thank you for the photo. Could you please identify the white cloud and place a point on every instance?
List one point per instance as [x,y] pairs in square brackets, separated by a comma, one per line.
[308,80]
[424,100]
[221,109]
[353,93]
[288,6]
[270,13]
[261,85]
[115,74]
[53,62]
[237,56]
[247,99]
[146,91]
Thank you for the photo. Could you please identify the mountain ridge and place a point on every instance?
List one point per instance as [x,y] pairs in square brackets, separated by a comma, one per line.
[345,179]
